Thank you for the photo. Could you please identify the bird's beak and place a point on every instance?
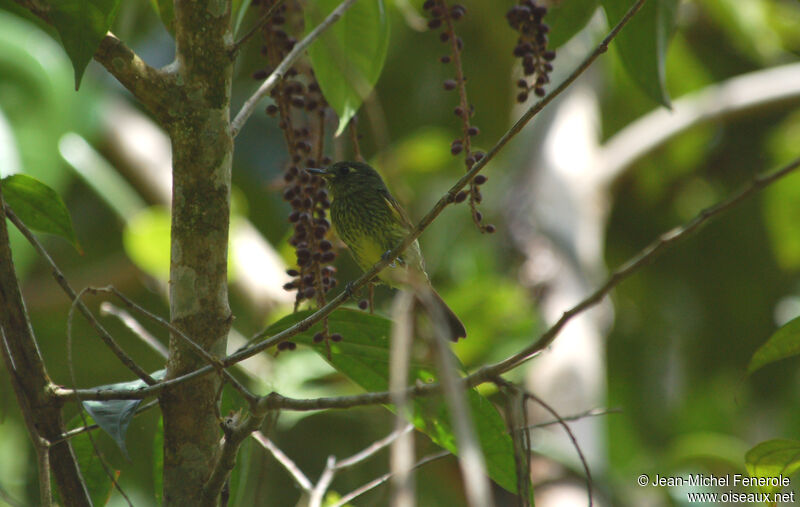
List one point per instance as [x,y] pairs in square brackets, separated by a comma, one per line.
[321,172]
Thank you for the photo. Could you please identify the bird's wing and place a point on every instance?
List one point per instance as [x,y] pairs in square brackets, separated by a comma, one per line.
[397,210]
[412,257]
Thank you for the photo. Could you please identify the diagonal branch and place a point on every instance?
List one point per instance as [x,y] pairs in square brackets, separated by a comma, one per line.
[258,25]
[65,286]
[470,456]
[275,400]
[644,257]
[152,87]
[385,477]
[41,410]
[277,74]
[210,359]
[290,466]
[487,373]
[447,199]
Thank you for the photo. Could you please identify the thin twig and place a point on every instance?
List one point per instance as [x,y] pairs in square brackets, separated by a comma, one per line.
[287,463]
[516,419]
[470,456]
[594,412]
[236,429]
[318,492]
[644,257]
[12,502]
[43,463]
[211,360]
[332,466]
[83,429]
[276,401]
[443,202]
[373,448]
[401,460]
[261,21]
[277,74]
[385,477]
[62,282]
[352,127]
[133,325]
[71,366]
[465,108]
[584,463]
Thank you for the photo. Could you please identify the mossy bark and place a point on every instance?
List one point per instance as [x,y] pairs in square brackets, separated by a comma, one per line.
[202,148]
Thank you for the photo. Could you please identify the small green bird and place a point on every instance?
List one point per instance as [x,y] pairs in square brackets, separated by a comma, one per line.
[371,222]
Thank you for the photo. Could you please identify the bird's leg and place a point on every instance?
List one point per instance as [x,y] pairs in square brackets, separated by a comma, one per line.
[349,290]
[371,287]
[395,262]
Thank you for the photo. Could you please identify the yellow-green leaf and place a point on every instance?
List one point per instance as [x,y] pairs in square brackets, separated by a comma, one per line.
[348,57]
[38,206]
[785,342]
[82,24]
[773,460]
[642,43]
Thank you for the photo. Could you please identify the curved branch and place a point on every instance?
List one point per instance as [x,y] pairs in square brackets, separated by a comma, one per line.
[275,400]
[489,373]
[277,74]
[735,96]
[150,86]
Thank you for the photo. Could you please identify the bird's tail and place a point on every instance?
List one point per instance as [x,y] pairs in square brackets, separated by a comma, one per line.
[455,328]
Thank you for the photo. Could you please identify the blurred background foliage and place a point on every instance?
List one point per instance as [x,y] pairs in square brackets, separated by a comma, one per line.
[684,329]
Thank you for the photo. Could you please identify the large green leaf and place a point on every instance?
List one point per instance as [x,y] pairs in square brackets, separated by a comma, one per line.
[348,58]
[642,43]
[772,460]
[785,342]
[114,416]
[82,24]
[38,206]
[363,356]
[568,17]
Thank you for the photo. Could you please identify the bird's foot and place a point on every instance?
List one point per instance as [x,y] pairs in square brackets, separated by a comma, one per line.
[393,264]
[349,290]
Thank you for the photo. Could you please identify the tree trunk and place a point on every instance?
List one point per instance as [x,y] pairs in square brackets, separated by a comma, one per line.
[202,149]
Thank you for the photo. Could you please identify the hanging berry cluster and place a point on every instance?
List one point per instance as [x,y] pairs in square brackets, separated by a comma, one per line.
[444,17]
[531,48]
[300,107]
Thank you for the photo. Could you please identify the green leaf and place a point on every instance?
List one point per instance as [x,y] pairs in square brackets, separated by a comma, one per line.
[38,206]
[785,342]
[82,24]
[772,459]
[642,43]
[566,18]
[363,356]
[114,416]
[348,57]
